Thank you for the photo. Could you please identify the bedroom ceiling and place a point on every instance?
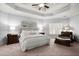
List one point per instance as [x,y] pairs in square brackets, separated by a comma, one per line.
[60,10]
[28,8]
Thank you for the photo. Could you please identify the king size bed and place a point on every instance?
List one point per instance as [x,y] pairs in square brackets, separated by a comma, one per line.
[30,39]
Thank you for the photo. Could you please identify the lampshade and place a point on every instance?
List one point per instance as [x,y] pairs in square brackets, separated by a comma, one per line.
[67,27]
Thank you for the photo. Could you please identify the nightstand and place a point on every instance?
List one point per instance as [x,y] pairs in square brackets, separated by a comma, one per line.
[12,38]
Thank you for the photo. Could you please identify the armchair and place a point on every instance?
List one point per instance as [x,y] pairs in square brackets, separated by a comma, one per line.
[65,38]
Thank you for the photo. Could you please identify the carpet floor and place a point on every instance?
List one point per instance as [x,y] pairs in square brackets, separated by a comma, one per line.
[48,50]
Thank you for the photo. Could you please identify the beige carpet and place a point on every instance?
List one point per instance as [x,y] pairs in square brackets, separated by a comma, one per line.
[48,50]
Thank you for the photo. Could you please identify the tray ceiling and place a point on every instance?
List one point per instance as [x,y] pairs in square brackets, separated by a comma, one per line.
[26,9]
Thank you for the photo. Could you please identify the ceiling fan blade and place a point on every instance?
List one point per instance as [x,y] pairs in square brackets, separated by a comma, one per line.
[40,8]
[46,6]
[35,5]
[45,3]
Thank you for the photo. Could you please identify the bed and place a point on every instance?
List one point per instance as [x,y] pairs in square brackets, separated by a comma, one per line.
[32,39]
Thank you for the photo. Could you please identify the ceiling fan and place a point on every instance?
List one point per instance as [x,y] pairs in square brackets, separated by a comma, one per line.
[41,5]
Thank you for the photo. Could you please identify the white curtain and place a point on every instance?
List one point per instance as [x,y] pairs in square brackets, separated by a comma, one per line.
[55,28]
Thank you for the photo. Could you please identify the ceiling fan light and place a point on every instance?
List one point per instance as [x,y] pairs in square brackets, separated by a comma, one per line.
[41,5]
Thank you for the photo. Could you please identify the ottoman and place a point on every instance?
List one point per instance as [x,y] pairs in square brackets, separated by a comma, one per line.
[63,41]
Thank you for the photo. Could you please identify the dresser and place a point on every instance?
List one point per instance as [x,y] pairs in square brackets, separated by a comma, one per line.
[12,38]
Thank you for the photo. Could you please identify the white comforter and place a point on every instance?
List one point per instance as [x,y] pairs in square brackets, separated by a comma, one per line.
[31,41]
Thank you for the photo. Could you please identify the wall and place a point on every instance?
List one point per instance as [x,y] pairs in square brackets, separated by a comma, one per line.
[13,20]
[7,20]
[74,22]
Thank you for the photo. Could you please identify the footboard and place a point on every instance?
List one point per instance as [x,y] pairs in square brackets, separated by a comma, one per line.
[32,42]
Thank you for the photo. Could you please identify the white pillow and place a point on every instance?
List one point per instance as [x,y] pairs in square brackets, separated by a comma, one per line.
[29,32]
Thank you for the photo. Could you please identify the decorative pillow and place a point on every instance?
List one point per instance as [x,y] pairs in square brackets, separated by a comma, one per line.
[25,32]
